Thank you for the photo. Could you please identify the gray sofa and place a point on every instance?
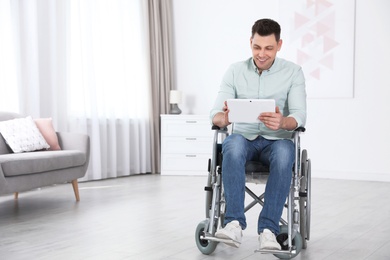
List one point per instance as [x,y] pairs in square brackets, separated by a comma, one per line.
[30,170]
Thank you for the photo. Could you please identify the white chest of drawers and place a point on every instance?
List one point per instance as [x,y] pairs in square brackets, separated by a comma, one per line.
[186,144]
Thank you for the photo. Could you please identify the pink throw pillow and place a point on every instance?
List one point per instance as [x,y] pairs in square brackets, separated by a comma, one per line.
[45,126]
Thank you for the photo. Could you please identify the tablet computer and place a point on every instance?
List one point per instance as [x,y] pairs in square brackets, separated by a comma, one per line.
[248,110]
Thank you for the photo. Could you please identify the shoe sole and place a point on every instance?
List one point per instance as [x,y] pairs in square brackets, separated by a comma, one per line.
[232,242]
[270,248]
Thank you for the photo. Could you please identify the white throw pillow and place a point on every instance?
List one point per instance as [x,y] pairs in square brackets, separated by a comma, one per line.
[22,135]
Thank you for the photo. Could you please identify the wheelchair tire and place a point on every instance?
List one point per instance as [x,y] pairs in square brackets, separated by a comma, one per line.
[303,221]
[297,242]
[205,246]
[303,199]
[308,203]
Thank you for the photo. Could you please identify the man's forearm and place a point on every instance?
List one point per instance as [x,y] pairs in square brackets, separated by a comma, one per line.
[289,123]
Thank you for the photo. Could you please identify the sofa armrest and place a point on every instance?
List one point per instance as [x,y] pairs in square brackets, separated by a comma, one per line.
[75,141]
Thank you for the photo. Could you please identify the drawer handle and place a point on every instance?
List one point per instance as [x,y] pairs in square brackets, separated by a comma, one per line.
[190,155]
[191,138]
[191,121]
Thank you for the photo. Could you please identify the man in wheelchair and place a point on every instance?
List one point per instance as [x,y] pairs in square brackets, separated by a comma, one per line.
[263,76]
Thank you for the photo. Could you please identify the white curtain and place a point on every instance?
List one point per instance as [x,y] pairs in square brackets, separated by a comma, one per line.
[8,71]
[109,84]
[86,64]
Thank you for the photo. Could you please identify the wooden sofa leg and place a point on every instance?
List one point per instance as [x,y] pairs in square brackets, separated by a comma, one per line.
[76,189]
[16,195]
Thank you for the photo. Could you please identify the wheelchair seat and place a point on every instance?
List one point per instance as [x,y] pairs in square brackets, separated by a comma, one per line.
[256,172]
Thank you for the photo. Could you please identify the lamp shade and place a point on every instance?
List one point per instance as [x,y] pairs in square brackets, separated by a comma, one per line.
[174,97]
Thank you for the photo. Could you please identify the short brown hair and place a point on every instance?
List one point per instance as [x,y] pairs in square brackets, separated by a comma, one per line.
[266,27]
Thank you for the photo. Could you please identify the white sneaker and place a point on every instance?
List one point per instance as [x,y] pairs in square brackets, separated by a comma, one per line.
[232,231]
[268,241]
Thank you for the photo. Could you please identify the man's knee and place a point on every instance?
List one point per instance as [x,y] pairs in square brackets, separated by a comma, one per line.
[235,143]
[283,152]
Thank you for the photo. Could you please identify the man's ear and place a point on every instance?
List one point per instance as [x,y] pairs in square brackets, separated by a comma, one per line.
[280,42]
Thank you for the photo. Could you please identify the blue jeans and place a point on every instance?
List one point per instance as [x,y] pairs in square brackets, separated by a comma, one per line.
[279,155]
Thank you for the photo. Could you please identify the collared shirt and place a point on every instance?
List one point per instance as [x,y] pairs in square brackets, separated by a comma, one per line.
[284,82]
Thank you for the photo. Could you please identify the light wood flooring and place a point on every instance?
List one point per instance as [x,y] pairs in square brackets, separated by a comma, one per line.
[154,217]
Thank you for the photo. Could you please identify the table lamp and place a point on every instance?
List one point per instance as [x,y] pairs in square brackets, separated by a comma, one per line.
[174,100]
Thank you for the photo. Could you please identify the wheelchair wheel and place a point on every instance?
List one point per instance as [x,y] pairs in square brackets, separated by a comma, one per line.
[308,206]
[296,242]
[205,246]
[304,199]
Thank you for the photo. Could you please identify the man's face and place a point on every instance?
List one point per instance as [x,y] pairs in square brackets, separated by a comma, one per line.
[264,49]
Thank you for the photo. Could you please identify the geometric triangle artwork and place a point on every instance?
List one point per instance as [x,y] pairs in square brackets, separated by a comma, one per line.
[302,57]
[322,5]
[327,61]
[329,20]
[316,73]
[322,28]
[320,32]
[309,3]
[307,39]
[329,44]
[300,20]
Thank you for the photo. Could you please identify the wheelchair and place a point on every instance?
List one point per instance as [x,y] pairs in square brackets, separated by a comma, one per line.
[294,231]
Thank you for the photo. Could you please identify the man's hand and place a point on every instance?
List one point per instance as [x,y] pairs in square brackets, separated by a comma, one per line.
[272,120]
[276,121]
[222,119]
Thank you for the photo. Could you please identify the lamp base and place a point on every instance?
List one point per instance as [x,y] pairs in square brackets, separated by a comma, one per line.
[175,110]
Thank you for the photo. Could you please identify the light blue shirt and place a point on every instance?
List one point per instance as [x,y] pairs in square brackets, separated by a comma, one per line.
[284,82]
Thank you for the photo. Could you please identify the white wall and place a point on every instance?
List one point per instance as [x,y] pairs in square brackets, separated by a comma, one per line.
[346,138]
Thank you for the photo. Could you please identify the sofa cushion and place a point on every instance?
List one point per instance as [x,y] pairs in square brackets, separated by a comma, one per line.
[22,135]
[4,148]
[4,116]
[45,126]
[43,161]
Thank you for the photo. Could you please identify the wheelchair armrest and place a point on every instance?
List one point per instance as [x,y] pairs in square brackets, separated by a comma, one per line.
[218,129]
[296,133]
[215,127]
[300,129]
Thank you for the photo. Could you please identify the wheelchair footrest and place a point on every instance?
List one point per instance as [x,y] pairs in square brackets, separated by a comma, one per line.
[278,252]
[216,239]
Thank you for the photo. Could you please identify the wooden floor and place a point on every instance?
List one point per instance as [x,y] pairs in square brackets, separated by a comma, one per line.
[154,217]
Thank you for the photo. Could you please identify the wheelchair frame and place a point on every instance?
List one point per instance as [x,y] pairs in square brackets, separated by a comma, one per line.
[295,231]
